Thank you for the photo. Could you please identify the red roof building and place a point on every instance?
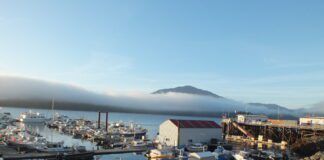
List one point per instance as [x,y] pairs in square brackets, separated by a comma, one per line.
[195,123]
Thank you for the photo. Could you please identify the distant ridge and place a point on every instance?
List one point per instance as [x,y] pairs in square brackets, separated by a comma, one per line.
[188,90]
[271,106]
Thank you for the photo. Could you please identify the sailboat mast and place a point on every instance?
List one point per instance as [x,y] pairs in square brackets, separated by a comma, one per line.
[53,110]
[52,119]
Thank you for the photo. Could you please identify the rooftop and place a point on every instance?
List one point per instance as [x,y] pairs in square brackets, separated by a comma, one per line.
[195,123]
[314,117]
[252,115]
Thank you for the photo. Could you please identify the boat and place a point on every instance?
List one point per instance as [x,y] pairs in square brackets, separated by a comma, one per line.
[5,117]
[265,155]
[160,153]
[32,117]
[242,155]
[201,156]
[54,147]
[221,153]
[117,145]
[196,147]
[138,144]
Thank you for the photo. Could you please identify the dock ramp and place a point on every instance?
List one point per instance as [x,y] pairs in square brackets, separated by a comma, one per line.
[244,131]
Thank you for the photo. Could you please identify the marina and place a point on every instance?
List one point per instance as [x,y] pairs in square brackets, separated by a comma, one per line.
[64,137]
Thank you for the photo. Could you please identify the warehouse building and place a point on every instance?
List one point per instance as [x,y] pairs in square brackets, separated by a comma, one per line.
[174,132]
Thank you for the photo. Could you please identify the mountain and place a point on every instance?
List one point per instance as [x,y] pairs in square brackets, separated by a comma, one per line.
[188,90]
[272,107]
[315,109]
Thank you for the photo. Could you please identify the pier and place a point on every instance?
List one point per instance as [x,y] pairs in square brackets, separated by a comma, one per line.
[120,151]
[262,131]
[11,154]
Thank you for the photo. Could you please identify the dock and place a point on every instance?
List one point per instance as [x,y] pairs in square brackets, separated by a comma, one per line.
[70,156]
[120,151]
[9,153]
[271,132]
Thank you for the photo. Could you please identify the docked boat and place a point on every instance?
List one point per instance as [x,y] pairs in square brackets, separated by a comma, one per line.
[265,155]
[196,147]
[242,155]
[201,155]
[160,153]
[138,144]
[54,147]
[32,117]
[221,153]
[5,117]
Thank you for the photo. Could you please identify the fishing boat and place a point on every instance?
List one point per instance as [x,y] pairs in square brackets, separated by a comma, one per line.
[32,117]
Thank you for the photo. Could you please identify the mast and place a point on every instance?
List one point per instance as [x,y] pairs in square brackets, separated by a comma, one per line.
[52,119]
[53,110]
[278,112]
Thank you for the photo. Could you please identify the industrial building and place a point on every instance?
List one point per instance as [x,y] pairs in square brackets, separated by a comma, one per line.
[174,132]
[311,121]
[249,118]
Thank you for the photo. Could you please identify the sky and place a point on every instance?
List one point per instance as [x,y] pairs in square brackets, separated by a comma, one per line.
[250,51]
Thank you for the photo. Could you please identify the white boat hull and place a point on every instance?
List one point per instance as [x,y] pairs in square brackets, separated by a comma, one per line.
[33,120]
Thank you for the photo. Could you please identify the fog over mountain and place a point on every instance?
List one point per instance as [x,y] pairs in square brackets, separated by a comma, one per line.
[26,92]
[274,107]
[316,109]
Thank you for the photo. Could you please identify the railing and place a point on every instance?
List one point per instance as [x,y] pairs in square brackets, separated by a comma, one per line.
[311,127]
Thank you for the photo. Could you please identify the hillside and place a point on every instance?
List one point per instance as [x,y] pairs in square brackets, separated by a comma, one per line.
[187,90]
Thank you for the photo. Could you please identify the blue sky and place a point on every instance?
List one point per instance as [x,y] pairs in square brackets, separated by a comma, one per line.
[251,51]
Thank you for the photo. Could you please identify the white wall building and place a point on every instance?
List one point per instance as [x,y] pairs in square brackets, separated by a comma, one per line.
[311,121]
[175,132]
[246,118]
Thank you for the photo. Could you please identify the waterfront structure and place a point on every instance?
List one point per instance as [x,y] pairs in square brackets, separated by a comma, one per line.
[283,122]
[284,134]
[249,118]
[311,121]
[174,132]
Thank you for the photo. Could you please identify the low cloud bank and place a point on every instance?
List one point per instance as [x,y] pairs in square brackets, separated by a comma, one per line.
[15,90]
[317,109]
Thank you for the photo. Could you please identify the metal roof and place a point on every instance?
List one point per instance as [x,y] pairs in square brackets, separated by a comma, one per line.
[194,123]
